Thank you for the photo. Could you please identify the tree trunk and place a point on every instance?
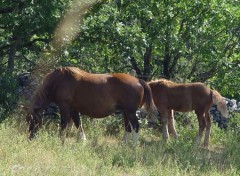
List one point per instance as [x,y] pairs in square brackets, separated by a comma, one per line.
[147,69]
[14,40]
[166,61]
[12,53]
[135,67]
[167,56]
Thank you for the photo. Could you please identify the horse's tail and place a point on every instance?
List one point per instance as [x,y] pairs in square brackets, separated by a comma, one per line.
[219,101]
[148,99]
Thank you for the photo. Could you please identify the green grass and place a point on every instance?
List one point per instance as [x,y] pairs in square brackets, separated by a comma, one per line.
[104,154]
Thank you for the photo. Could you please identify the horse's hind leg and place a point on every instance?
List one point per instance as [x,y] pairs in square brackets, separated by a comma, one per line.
[78,123]
[127,130]
[171,123]
[131,125]
[208,129]
[202,125]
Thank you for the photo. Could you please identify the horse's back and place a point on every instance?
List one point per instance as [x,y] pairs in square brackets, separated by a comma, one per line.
[180,97]
[106,93]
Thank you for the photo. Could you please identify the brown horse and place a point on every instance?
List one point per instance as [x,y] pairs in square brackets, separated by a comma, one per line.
[169,96]
[95,95]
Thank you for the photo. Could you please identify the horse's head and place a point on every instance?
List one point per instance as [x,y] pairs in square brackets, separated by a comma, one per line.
[33,120]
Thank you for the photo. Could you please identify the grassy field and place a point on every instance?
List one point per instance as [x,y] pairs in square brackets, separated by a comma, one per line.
[104,154]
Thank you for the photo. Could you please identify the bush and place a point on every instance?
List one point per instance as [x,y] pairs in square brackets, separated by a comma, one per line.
[8,94]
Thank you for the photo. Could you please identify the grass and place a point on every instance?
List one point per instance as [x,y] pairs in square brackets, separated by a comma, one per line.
[104,154]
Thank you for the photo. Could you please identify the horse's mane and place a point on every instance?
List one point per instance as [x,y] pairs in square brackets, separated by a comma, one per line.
[72,70]
[40,92]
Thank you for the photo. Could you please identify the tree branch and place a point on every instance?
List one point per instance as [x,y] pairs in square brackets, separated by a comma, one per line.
[30,43]
[7,10]
[147,57]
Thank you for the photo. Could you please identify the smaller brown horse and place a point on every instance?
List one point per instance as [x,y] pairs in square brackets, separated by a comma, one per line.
[95,95]
[169,96]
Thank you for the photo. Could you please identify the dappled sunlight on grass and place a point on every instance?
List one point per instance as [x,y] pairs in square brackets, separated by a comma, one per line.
[105,154]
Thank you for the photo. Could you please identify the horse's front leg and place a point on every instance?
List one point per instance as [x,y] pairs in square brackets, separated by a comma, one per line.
[208,128]
[164,119]
[81,134]
[65,120]
[171,123]
[78,123]
[202,125]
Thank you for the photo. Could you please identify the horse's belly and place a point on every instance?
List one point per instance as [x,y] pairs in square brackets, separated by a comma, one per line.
[98,111]
[97,114]
[183,108]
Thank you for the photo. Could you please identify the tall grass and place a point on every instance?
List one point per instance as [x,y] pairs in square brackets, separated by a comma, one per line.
[104,154]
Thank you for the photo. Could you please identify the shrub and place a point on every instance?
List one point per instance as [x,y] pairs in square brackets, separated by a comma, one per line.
[8,95]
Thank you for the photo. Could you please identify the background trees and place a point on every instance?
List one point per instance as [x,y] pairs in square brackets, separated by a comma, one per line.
[26,28]
[181,40]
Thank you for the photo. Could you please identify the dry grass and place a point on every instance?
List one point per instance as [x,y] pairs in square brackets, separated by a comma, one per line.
[104,154]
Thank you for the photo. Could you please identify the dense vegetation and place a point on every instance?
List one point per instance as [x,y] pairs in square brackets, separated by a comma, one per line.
[183,40]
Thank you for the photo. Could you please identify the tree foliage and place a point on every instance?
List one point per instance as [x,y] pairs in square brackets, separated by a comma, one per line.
[182,40]
[168,31]
[26,29]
